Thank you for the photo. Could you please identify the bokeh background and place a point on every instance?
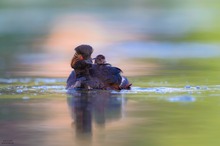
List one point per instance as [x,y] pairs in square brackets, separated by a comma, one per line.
[38,37]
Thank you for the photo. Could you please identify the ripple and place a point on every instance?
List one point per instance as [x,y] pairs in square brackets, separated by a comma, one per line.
[22,86]
[164,90]
[134,90]
[184,98]
[30,80]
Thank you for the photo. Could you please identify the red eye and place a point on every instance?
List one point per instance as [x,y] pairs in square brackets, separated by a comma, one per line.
[80,58]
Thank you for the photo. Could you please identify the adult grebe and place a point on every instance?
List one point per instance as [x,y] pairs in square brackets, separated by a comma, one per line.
[87,75]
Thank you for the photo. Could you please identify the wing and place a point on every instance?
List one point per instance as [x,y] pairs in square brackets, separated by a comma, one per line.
[107,74]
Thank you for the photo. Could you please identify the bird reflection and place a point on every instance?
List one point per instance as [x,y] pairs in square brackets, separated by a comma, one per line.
[93,106]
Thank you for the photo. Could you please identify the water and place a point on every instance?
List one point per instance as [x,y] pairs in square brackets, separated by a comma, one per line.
[49,115]
[168,50]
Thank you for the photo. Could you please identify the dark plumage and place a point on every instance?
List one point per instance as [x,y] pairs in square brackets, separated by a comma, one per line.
[100,75]
[110,76]
[85,51]
[100,59]
[82,69]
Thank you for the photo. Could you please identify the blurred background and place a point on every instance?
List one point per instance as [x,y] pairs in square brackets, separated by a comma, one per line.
[38,37]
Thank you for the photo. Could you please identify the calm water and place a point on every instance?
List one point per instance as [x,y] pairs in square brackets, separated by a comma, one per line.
[48,115]
[169,50]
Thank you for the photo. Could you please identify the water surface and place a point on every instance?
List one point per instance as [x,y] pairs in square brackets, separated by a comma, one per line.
[168,50]
[33,114]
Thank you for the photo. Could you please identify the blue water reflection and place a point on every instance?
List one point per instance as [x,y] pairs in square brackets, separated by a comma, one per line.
[183,98]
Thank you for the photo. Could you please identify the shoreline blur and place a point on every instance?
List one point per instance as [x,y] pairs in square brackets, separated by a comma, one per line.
[38,38]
